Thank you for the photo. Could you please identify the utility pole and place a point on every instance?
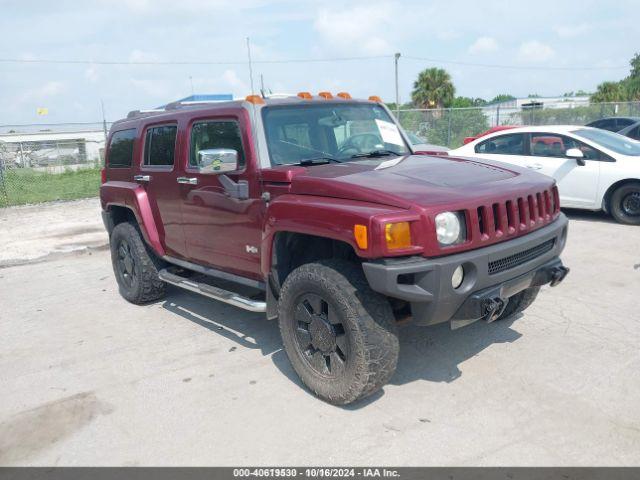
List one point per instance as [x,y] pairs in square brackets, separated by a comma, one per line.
[104,122]
[397,57]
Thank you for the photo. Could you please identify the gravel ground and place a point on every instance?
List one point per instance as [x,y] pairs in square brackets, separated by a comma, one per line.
[88,379]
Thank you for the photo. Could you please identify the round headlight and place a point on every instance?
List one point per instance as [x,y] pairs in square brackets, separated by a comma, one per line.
[457,277]
[447,228]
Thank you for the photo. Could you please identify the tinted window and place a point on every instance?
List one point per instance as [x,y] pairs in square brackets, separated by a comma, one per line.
[121,148]
[215,134]
[553,145]
[512,144]
[608,124]
[160,145]
[634,133]
[624,122]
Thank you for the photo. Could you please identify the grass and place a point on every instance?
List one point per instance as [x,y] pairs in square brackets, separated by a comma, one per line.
[22,186]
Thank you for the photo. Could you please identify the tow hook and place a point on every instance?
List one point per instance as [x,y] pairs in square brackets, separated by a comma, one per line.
[492,308]
[558,274]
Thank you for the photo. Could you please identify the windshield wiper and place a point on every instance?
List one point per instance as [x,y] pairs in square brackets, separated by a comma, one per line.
[318,161]
[376,153]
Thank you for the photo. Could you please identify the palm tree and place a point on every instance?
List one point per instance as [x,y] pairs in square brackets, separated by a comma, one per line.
[610,92]
[433,89]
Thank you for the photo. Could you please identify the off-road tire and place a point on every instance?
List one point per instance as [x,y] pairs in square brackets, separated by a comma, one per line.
[367,321]
[144,286]
[616,204]
[519,302]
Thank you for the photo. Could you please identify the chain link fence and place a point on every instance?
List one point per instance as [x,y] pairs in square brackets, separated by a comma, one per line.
[47,162]
[38,167]
[449,126]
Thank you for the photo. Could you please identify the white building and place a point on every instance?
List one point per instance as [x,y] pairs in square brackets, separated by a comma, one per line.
[46,149]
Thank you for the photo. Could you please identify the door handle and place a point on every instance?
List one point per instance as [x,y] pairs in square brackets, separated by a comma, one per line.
[188,180]
[142,178]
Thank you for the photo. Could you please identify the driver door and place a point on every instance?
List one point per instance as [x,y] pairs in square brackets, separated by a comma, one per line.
[577,184]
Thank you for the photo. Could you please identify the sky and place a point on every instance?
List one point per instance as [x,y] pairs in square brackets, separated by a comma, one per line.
[529,37]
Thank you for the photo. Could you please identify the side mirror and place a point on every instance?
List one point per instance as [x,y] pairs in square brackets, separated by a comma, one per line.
[217,160]
[577,155]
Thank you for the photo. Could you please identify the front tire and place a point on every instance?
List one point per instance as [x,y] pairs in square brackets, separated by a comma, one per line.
[135,267]
[625,204]
[340,336]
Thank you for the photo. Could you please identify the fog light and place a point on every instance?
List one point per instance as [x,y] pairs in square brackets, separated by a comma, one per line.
[457,277]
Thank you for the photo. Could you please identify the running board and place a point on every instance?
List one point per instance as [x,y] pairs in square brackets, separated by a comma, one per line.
[212,292]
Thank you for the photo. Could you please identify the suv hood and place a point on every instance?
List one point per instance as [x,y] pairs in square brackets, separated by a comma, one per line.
[414,180]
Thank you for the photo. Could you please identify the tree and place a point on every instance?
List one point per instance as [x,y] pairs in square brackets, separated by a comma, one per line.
[610,92]
[433,89]
[466,102]
[503,97]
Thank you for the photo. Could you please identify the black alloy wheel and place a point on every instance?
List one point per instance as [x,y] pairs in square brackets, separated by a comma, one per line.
[321,336]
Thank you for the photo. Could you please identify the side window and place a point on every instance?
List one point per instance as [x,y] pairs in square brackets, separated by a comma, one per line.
[623,122]
[160,145]
[609,124]
[215,134]
[634,133]
[121,148]
[554,145]
[512,144]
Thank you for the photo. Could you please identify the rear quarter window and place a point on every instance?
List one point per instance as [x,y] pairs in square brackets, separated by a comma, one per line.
[120,153]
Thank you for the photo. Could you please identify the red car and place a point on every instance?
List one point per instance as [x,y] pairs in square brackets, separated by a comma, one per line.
[313,211]
[491,130]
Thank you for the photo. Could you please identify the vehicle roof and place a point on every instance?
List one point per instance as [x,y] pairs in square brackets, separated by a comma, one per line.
[183,108]
[635,119]
[542,129]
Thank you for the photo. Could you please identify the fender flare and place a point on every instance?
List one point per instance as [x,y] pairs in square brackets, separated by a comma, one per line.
[134,198]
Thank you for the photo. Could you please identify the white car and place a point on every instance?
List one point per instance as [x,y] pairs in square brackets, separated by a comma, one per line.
[595,169]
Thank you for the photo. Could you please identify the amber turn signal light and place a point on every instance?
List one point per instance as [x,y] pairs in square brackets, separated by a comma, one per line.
[397,235]
[361,236]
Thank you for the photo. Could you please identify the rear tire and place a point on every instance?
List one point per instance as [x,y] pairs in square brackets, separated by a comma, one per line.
[340,336]
[519,302]
[625,204]
[135,266]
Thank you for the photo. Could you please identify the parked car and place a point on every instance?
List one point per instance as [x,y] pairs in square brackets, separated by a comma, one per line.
[420,145]
[317,213]
[595,169]
[613,124]
[497,128]
[631,131]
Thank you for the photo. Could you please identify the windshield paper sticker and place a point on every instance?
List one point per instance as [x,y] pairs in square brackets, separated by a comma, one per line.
[389,132]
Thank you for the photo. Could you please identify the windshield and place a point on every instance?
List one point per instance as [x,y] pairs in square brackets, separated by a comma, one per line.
[332,132]
[612,141]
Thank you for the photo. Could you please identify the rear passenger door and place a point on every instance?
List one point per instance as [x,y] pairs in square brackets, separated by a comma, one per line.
[158,177]
[508,148]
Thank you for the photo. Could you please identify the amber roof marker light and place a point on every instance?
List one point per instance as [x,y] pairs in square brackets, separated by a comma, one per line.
[305,95]
[255,99]
[375,98]
[344,95]
[325,95]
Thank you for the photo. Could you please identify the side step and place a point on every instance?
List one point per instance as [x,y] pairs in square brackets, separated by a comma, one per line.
[212,292]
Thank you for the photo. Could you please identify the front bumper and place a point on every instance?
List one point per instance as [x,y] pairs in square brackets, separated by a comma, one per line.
[492,275]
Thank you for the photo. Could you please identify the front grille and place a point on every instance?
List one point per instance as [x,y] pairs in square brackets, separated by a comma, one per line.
[517,215]
[519,258]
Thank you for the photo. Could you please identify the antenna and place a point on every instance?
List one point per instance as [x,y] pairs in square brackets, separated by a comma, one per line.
[250,65]
[262,85]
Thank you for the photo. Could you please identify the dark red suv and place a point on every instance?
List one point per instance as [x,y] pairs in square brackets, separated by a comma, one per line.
[315,211]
